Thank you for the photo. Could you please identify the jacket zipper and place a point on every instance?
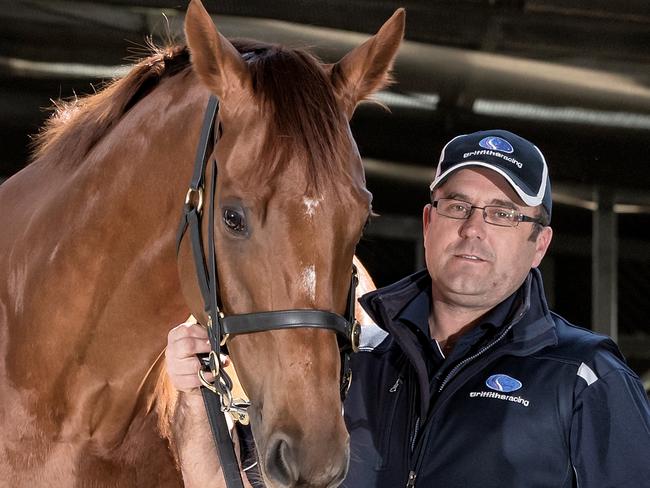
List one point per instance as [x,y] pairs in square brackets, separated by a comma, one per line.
[412,439]
[411,480]
[415,433]
[413,473]
[414,426]
[460,365]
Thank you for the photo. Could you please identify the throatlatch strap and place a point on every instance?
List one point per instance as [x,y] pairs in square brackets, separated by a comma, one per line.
[191,218]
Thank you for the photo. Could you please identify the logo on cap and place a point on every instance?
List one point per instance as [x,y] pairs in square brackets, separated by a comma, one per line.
[496,143]
[503,383]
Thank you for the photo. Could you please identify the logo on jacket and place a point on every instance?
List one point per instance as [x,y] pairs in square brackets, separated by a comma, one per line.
[503,383]
[496,143]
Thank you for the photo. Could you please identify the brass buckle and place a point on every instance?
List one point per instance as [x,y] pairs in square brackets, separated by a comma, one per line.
[188,198]
[355,336]
[215,363]
[347,382]
[206,383]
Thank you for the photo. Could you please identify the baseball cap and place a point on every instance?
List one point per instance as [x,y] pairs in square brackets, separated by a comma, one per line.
[519,161]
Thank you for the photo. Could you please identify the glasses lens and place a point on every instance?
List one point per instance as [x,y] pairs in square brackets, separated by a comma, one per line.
[455,209]
[505,217]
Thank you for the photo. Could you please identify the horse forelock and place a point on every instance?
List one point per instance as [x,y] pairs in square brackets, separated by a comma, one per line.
[299,97]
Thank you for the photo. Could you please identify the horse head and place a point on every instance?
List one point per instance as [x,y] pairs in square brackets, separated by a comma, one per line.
[290,207]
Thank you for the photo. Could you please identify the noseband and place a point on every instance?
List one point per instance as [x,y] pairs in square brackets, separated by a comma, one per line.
[217,395]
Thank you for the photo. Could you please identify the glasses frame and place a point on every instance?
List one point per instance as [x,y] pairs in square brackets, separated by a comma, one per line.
[519,217]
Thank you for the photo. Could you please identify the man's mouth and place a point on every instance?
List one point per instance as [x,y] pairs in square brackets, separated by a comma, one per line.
[470,257]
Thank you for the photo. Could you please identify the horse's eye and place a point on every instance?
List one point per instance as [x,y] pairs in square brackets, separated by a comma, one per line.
[235,220]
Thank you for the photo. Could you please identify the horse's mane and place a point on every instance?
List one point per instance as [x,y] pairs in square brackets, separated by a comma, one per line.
[79,123]
[290,83]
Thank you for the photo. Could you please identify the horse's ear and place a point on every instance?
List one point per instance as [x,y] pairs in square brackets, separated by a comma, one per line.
[215,59]
[366,69]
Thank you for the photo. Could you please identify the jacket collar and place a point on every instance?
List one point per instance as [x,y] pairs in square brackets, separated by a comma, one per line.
[385,305]
[389,301]
[528,326]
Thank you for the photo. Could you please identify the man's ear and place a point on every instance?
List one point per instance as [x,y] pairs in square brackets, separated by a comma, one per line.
[541,245]
[366,69]
[426,219]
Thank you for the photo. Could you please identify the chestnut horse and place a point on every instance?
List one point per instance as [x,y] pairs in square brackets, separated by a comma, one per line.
[87,248]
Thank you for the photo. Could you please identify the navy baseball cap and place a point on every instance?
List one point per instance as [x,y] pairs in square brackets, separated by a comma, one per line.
[519,161]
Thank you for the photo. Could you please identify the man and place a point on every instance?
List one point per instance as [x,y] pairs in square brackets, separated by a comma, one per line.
[470,380]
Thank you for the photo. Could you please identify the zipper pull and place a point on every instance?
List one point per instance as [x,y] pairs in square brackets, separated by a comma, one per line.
[411,481]
[394,388]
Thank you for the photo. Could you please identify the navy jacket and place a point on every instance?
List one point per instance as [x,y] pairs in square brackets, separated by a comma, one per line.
[533,402]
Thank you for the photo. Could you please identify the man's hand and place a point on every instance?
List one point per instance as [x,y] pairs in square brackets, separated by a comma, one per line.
[191,438]
[184,342]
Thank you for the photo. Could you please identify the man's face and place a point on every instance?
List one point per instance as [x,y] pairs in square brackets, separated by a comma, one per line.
[474,264]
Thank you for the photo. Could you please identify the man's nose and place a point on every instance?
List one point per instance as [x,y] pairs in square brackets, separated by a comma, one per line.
[474,225]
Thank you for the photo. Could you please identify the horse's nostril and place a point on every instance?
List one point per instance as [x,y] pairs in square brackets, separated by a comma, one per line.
[287,466]
[280,463]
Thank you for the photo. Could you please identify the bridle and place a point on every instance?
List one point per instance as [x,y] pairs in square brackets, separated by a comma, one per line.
[217,395]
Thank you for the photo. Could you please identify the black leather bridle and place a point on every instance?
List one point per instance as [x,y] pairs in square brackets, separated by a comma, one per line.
[217,395]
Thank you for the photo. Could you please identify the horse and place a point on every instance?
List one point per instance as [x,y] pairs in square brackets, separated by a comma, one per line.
[93,281]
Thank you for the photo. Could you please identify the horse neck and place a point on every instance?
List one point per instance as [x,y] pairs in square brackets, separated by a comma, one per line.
[91,260]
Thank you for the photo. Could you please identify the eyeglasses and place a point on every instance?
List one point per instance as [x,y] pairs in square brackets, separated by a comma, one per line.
[492,214]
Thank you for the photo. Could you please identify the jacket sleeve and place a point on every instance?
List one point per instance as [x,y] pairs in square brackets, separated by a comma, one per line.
[610,430]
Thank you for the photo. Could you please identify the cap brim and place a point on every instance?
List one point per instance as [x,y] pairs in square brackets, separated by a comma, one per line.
[513,181]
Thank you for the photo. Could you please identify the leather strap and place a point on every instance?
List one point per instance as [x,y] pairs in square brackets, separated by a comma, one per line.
[222,440]
[204,148]
[196,241]
[285,319]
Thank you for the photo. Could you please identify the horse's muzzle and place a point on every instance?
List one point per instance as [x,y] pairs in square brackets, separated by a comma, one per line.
[286,465]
